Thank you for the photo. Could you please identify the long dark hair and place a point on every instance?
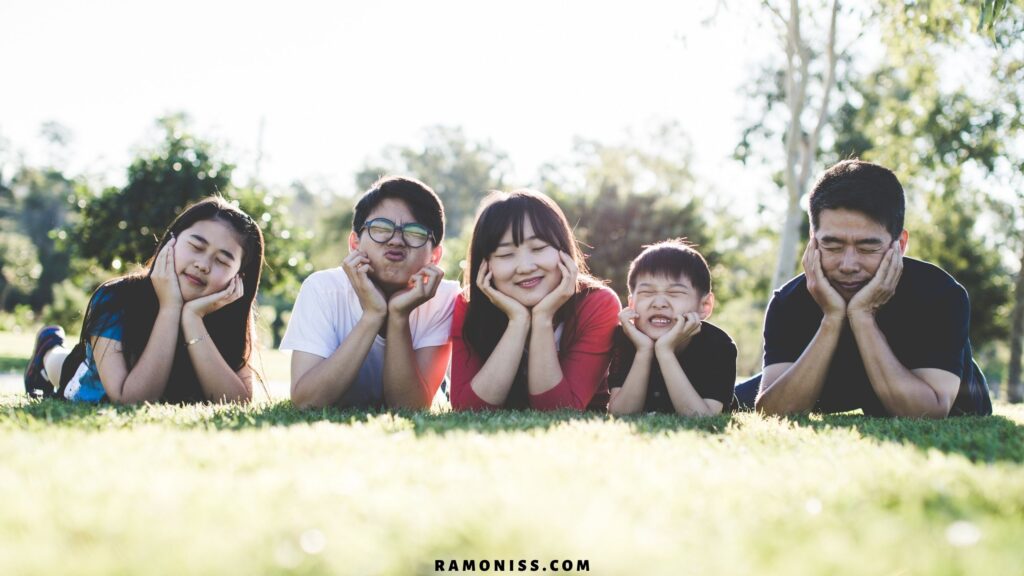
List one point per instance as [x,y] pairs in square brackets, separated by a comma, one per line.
[500,211]
[134,300]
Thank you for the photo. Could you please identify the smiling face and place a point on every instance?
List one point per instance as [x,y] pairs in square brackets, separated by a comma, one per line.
[393,262]
[527,272]
[658,299]
[852,247]
[206,256]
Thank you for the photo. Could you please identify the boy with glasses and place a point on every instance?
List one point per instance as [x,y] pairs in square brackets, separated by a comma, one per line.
[374,331]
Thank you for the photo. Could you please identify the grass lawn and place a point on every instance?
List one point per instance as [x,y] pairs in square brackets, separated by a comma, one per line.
[269,490]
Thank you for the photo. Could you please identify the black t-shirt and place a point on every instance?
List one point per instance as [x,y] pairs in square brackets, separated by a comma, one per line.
[709,362]
[925,323]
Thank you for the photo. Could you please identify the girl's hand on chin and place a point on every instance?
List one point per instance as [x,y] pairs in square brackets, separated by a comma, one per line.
[565,290]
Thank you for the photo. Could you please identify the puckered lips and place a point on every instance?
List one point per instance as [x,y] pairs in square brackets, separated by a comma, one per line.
[395,255]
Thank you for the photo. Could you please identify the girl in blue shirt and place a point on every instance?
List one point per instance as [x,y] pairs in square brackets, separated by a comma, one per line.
[179,331]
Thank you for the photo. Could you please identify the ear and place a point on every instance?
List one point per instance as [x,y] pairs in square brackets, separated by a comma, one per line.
[904,242]
[629,302]
[707,305]
[353,241]
[436,253]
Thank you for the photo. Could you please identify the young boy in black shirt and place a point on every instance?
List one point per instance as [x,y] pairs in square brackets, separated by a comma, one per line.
[666,357]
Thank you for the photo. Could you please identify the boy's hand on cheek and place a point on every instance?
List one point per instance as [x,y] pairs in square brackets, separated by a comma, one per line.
[627,318]
[422,287]
[679,336]
[357,267]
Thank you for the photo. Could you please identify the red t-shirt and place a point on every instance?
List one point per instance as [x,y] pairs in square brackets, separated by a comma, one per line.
[584,361]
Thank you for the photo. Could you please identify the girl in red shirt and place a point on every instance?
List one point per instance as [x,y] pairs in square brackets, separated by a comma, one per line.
[532,328]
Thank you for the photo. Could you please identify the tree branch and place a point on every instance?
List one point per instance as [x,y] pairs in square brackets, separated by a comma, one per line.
[830,80]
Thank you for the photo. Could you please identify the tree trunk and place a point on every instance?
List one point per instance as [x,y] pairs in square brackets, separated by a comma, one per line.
[1014,386]
[801,143]
[785,266]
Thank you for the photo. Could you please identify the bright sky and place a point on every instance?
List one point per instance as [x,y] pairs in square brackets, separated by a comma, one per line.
[335,82]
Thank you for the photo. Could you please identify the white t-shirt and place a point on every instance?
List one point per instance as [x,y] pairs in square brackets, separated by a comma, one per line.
[326,311]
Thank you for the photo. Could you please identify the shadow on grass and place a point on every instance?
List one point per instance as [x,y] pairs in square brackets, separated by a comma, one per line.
[978,438]
[19,412]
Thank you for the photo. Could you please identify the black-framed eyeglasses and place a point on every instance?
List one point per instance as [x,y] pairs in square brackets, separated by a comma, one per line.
[382,230]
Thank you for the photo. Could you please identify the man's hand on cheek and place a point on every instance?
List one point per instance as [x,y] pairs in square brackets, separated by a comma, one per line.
[881,288]
[422,287]
[827,298]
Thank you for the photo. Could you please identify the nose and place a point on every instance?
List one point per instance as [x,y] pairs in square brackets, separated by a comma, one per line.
[397,240]
[850,262]
[525,265]
[659,301]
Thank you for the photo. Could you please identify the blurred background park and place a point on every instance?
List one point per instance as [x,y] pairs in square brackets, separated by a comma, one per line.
[707,119]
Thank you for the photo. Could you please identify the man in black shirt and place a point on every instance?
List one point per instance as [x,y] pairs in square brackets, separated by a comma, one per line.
[865,327]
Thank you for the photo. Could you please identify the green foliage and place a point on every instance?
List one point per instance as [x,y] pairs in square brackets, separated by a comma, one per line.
[332,231]
[47,204]
[18,320]
[620,198]
[121,226]
[68,306]
[995,16]
[19,265]
[615,226]
[350,492]
[286,250]
[950,240]
[932,138]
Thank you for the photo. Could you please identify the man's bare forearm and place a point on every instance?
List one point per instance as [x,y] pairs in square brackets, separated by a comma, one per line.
[800,386]
[901,392]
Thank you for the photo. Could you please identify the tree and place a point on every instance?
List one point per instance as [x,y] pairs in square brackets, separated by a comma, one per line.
[622,197]
[805,121]
[121,226]
[943,144]
[47,202]
[19,265]
[286,253]
[1008,72]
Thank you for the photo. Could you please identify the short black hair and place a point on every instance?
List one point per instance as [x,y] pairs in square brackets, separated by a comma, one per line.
[672,258]
[864,187]
[422,201]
